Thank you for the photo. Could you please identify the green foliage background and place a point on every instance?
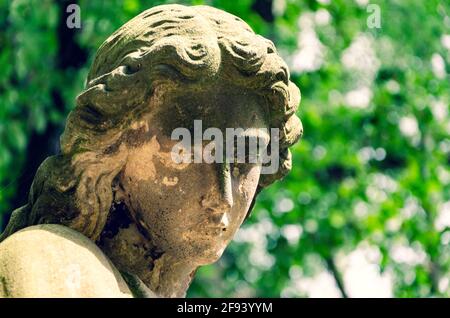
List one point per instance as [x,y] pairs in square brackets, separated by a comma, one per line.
[359,179]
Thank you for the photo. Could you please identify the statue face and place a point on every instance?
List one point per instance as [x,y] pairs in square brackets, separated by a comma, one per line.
[191,210]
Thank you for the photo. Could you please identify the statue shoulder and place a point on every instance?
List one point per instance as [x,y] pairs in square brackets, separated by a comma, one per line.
[55,261]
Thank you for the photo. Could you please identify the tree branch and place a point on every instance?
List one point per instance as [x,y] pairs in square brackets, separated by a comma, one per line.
[337,275]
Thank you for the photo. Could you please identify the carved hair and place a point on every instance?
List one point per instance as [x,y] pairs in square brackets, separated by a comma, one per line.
[198,44]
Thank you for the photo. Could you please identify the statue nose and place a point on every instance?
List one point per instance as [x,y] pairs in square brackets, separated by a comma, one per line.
[225,185]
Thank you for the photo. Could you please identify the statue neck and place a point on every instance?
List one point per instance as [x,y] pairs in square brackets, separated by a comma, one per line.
[170,278]
[131,251]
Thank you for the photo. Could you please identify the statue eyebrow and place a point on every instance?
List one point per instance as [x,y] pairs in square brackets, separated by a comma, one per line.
[172,72]
[260,133]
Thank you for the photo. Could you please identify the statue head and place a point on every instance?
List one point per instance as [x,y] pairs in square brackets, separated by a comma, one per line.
[165,68]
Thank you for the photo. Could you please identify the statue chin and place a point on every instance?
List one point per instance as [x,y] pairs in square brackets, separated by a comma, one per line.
[210,255]
[121,208]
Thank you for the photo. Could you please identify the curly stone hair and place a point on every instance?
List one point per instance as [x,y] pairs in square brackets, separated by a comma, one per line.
[199,43]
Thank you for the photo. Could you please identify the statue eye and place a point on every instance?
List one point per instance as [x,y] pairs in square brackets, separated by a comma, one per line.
[132,68]
[91,114]
[131,63]
[251,152]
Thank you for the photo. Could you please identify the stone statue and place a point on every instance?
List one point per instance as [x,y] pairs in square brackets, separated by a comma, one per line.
[112,215]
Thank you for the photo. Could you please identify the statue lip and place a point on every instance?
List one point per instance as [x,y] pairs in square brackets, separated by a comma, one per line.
[217,231]
[220,223]
[216,224]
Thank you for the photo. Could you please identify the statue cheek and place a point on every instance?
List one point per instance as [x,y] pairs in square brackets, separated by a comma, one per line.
[245,191]
[247,184]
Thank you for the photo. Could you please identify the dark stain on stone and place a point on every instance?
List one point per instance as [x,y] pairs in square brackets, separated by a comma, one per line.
[133,138]
[4,286]
[118,217]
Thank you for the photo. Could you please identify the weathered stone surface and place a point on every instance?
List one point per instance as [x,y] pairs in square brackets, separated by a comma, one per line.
[115,182]
[56,261]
